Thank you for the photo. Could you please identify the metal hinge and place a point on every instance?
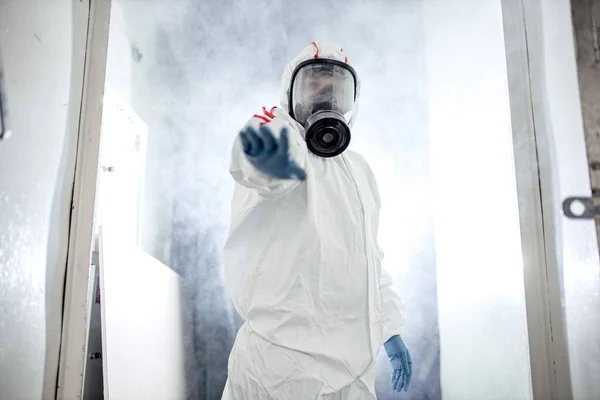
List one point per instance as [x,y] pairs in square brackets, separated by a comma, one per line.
[4,129]
[95,258]
[581,207]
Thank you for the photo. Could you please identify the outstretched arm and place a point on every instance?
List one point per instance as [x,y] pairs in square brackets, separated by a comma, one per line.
[268,157]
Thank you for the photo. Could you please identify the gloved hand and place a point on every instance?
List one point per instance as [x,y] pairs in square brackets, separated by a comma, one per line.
[401,362]
[270,155]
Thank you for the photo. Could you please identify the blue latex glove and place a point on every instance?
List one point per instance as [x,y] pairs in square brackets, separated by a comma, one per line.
[270,155]
[401,362]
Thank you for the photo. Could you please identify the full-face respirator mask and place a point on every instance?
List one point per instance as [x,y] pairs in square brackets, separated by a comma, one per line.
[321,98]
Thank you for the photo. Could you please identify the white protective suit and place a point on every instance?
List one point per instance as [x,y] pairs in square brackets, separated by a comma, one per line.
[303,267]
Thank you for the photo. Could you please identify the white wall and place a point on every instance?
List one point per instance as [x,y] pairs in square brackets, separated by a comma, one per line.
[42,50]
[143,355]
[481,299]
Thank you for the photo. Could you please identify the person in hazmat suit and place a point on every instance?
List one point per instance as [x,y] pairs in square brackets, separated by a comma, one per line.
[301,262]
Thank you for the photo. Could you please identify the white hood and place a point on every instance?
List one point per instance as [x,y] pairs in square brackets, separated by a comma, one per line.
[324,50]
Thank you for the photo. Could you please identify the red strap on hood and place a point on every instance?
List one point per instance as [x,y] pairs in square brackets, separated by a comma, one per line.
[316,50]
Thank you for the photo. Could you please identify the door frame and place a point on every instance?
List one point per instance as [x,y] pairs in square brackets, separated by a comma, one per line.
[551,164]
[76,310]
[540,294]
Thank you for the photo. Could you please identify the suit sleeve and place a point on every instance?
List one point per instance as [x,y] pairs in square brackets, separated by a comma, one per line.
[392,307]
